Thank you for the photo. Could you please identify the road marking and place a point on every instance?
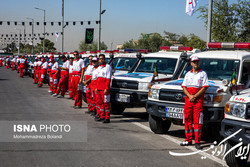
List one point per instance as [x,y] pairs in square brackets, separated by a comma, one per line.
[178,142]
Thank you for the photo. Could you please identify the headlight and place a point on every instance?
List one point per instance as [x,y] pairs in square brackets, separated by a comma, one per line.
[155,93]
[143,85]
[236,109]
[212,99]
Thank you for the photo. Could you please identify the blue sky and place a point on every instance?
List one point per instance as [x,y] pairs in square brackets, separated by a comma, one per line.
[122,21]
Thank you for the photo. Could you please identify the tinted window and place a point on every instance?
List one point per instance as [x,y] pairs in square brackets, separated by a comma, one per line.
[164,65]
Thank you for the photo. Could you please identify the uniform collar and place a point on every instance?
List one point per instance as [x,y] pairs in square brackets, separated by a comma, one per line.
[95,67]
[77,59]
[104,65]
[199,70]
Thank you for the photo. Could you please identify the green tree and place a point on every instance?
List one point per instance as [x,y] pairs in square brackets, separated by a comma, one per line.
[91,47]
[196,42]
[171,36]
[49,46]
[230,23]
[129,45]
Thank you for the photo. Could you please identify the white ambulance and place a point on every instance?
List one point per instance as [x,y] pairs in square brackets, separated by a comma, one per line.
[126,60]
[131,89]
[235,128]
[166,101]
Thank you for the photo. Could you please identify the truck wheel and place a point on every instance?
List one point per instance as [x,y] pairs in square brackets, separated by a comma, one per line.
[231,160]
[157,125]
[117,109]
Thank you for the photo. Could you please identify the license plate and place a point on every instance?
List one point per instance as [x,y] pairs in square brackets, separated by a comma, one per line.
[122,98]
[173,112]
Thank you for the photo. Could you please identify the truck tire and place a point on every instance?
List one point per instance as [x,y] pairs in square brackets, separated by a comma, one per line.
[231,160]
[117,109]
[157,125]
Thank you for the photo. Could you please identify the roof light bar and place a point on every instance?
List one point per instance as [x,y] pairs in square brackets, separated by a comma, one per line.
[178,48]
[229,45]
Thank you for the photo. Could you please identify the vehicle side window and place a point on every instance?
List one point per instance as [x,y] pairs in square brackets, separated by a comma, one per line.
[245,78]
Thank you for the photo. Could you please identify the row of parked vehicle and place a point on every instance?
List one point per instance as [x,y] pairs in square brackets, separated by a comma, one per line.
[153,80]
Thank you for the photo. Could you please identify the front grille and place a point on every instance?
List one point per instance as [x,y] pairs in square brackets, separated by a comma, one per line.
[125,84]
[171,95]
[248,111]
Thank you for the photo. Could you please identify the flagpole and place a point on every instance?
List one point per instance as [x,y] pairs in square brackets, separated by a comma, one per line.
[209,21]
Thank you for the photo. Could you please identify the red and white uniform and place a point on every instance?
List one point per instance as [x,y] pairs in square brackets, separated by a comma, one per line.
[193,111]
[1,62]
[54,69]
[7,62]
[18,64]
[22,66]
[35,72]
[87,75]
[64,78]
[13,63]
[94,103]
[70,82]
[78,66]
[43,72]
[50,76]
[103,83]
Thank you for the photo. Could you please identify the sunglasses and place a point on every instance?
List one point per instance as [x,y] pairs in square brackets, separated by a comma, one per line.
[75,54]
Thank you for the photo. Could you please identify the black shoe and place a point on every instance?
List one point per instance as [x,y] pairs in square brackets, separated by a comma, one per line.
[69,98]
[89,112]
[77,107]
[106,121]
[198,146]
[185,143]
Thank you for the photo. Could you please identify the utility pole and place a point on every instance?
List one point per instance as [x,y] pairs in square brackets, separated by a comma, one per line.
[62,25]
[209,21]
[44,13]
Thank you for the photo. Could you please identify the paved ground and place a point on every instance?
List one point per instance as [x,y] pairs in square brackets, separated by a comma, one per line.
[126,141]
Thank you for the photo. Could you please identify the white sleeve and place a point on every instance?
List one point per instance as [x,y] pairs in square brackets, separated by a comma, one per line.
[205,80]
[68,64]
[184,84]
[109,72]
[82,65]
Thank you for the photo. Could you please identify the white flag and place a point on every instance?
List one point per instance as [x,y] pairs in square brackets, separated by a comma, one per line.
[190,6]
[57,35]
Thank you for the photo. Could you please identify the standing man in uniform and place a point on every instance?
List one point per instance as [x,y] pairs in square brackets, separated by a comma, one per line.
[1,61]
[71,59]
[77,79]
[7,62]
[87,75]
[50,74]
[17,64]
[64,76]
[54,74]
[103,89]
[35,71]
[22,66]
[13,63]
[194,87]
[43,71]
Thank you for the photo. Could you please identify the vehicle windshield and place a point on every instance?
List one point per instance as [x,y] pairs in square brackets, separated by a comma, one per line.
[123,63]
[164,65]
[216,69]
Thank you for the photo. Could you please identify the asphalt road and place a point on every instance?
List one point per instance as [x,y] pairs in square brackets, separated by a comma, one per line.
[126,141]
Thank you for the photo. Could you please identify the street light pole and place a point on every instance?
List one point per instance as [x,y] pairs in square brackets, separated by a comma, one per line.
[32,34]
[19,40]
[62,25]
[100,24]
[209,21]
[100,20]
[44,13]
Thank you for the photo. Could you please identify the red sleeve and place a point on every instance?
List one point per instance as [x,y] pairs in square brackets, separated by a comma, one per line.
[107,86]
